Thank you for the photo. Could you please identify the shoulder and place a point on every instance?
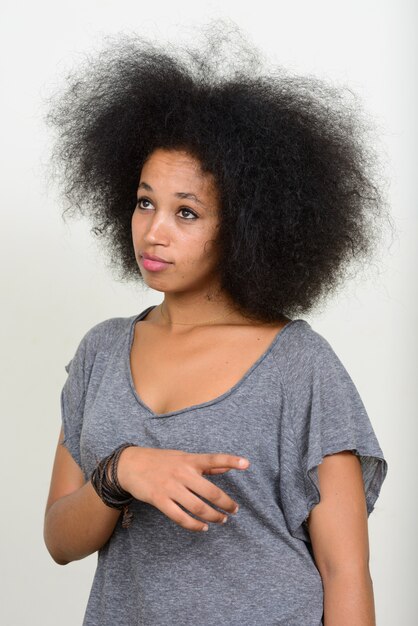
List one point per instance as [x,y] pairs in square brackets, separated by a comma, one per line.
[306,361]
[102,337]
[106,332]
[299,345]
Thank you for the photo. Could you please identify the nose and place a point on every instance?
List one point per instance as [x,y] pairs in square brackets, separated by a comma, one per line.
[157,228]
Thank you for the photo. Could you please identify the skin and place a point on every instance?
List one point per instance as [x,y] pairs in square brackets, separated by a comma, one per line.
[339,534]
[182,231]
[77,523]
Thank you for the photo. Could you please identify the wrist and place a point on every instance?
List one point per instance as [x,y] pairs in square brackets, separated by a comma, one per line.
[105,481]
[124,465]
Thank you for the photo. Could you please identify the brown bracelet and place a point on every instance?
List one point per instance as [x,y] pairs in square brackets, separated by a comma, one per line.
[105,482]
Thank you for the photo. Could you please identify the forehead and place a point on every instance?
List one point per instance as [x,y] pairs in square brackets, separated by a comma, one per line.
[164,156]
[177,167]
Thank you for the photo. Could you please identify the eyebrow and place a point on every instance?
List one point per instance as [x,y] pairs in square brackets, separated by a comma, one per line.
[179,194]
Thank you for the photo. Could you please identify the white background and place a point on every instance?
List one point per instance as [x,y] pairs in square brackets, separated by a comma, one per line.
[55,285]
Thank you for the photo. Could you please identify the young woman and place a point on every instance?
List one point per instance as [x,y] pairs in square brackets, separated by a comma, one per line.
[242,199]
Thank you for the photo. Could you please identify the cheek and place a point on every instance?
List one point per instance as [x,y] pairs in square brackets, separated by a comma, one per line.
[209,250]
[135,226]
[202,253]
[211,243]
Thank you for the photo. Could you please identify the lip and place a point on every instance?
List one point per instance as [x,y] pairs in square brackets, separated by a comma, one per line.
[152,257]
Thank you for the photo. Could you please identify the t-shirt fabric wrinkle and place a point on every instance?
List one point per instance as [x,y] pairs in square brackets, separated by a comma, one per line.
[295,405]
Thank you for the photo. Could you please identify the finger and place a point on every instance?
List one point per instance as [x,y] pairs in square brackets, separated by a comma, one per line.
[180,517]
[218,470]
[211,492]
[198,507]
[216,460]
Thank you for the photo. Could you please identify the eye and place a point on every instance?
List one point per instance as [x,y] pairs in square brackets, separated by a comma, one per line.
[140,201]
[194,216]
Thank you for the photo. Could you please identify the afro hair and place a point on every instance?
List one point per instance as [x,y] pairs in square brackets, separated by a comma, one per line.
[299,203]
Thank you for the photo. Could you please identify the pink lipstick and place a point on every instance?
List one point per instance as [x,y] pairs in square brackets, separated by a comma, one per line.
[153,266]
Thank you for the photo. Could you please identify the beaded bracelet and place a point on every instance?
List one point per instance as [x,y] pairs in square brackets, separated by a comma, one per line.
[105,482]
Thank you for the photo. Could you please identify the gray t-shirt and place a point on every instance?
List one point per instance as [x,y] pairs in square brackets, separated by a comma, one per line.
[296,404]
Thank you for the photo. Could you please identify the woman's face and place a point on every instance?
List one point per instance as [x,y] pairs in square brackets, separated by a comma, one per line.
[176,219]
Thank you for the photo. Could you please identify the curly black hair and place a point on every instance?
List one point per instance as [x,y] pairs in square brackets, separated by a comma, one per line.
[298,200]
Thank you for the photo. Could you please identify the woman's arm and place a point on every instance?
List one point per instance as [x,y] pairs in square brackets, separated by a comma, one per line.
[339,533]
[77,522]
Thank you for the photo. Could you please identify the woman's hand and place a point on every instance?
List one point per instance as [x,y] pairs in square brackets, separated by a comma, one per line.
[77,522]
[166,478]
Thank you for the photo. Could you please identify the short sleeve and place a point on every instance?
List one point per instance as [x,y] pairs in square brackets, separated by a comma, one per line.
[73,396]
[324,415]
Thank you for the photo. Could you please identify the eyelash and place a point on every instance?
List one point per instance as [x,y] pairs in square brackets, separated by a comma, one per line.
[188,219]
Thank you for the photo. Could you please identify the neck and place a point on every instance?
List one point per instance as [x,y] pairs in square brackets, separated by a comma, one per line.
[198,312]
